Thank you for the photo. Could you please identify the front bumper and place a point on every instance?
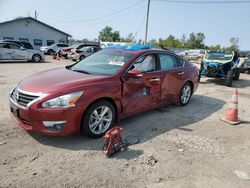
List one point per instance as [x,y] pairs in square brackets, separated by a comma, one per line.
[32,119]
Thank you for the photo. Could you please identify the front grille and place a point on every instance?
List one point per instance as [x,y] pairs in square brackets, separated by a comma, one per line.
[21,98]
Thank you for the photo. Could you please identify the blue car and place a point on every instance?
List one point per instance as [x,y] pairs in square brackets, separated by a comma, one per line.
[220,64]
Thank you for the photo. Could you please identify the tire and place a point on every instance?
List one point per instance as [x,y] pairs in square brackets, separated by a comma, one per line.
[185,94]
[36,58]
[237,74]
[82,57]
[93,125]
[229,78]
[50,52]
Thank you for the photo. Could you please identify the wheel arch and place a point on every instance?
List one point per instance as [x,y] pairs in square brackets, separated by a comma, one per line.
[109,99]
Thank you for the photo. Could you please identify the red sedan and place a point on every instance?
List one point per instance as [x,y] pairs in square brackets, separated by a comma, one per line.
[93,94]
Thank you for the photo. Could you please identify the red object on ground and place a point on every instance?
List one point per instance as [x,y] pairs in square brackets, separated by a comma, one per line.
[113,141]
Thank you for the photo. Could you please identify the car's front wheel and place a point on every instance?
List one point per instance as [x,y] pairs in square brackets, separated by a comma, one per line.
[185,94]
[98,118]
[36,58]
[236,74]
[229,78]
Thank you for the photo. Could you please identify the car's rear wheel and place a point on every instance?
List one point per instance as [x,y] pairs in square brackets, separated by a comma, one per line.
[229,78]
[82,57]
[36,58]
[236,74]
[98,119]
[185,94]
[50,52]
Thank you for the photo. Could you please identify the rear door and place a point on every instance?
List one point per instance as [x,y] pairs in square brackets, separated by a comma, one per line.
[5,52]
[18,53]
[172,74]
[142,93]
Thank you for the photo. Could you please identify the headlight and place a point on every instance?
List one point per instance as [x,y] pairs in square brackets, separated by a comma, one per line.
[68,100]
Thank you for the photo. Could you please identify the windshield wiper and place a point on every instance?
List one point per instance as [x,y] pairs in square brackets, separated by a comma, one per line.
[81,71]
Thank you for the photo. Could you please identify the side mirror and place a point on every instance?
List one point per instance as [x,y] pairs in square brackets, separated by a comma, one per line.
[135,73]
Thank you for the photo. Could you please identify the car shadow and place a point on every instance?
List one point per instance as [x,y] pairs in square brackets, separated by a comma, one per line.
[241,83]
[145,126]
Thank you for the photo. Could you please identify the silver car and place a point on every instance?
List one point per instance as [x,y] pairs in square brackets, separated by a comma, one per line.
[83,52]
[12,51]
[53,48]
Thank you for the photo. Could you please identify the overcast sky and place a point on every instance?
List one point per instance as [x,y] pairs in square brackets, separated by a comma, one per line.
[85,18]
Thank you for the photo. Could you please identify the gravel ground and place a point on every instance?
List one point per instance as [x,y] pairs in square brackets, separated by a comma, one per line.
[179,146]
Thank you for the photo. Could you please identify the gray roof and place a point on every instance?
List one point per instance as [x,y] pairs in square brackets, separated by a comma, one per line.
[25,18]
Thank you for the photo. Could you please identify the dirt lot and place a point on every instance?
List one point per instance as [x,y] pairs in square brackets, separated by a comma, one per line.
[187,146]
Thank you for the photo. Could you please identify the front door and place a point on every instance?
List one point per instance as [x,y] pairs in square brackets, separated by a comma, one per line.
[141,93]
[17,53]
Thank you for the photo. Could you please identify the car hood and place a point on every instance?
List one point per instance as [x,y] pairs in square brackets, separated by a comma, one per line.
[54,80]
[216,61]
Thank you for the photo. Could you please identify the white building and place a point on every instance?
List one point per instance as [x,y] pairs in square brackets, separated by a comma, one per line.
[33,31]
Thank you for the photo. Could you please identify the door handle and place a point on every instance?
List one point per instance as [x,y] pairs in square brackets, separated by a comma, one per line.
[154,79]
[181,73]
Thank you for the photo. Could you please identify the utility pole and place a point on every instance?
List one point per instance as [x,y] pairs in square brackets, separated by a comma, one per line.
[35,15]
[146,32]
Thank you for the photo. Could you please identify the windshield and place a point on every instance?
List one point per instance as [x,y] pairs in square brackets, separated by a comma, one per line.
[219,55]
[104,62]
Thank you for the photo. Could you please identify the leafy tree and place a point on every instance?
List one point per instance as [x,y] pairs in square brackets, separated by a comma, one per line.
[153,42]
[130,38]
[215,47]
[234,44]
[196,41]
[171,42]
[107,34]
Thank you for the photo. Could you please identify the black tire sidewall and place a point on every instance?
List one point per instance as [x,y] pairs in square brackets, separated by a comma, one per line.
[50,52]
[33,58]
[85,121]
[180,94]
[229,78]
[237,74]
[82,57]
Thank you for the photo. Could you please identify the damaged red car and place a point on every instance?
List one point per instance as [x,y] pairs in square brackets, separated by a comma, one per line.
[95,93]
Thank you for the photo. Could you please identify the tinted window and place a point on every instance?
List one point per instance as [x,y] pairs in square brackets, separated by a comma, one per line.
[3,45]
[13,46]
[169,62]
[62,45]
[145,63]
[27,45]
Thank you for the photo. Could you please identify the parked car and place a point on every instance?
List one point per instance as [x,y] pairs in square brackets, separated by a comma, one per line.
[13,51]
[52,48]
[26,45]
[64,52]
[84,52]
[244,53]
[245,67]
[95,93]
[221,64]
[193,55]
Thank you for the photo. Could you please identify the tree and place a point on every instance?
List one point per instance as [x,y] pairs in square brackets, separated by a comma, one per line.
[107,34]
[215,47]
[130,38]
[153,42]
[171,42]
[196,41]
[234,44]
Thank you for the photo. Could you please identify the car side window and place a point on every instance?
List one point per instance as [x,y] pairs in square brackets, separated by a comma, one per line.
[145,63]
[168,62]
[13,46]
